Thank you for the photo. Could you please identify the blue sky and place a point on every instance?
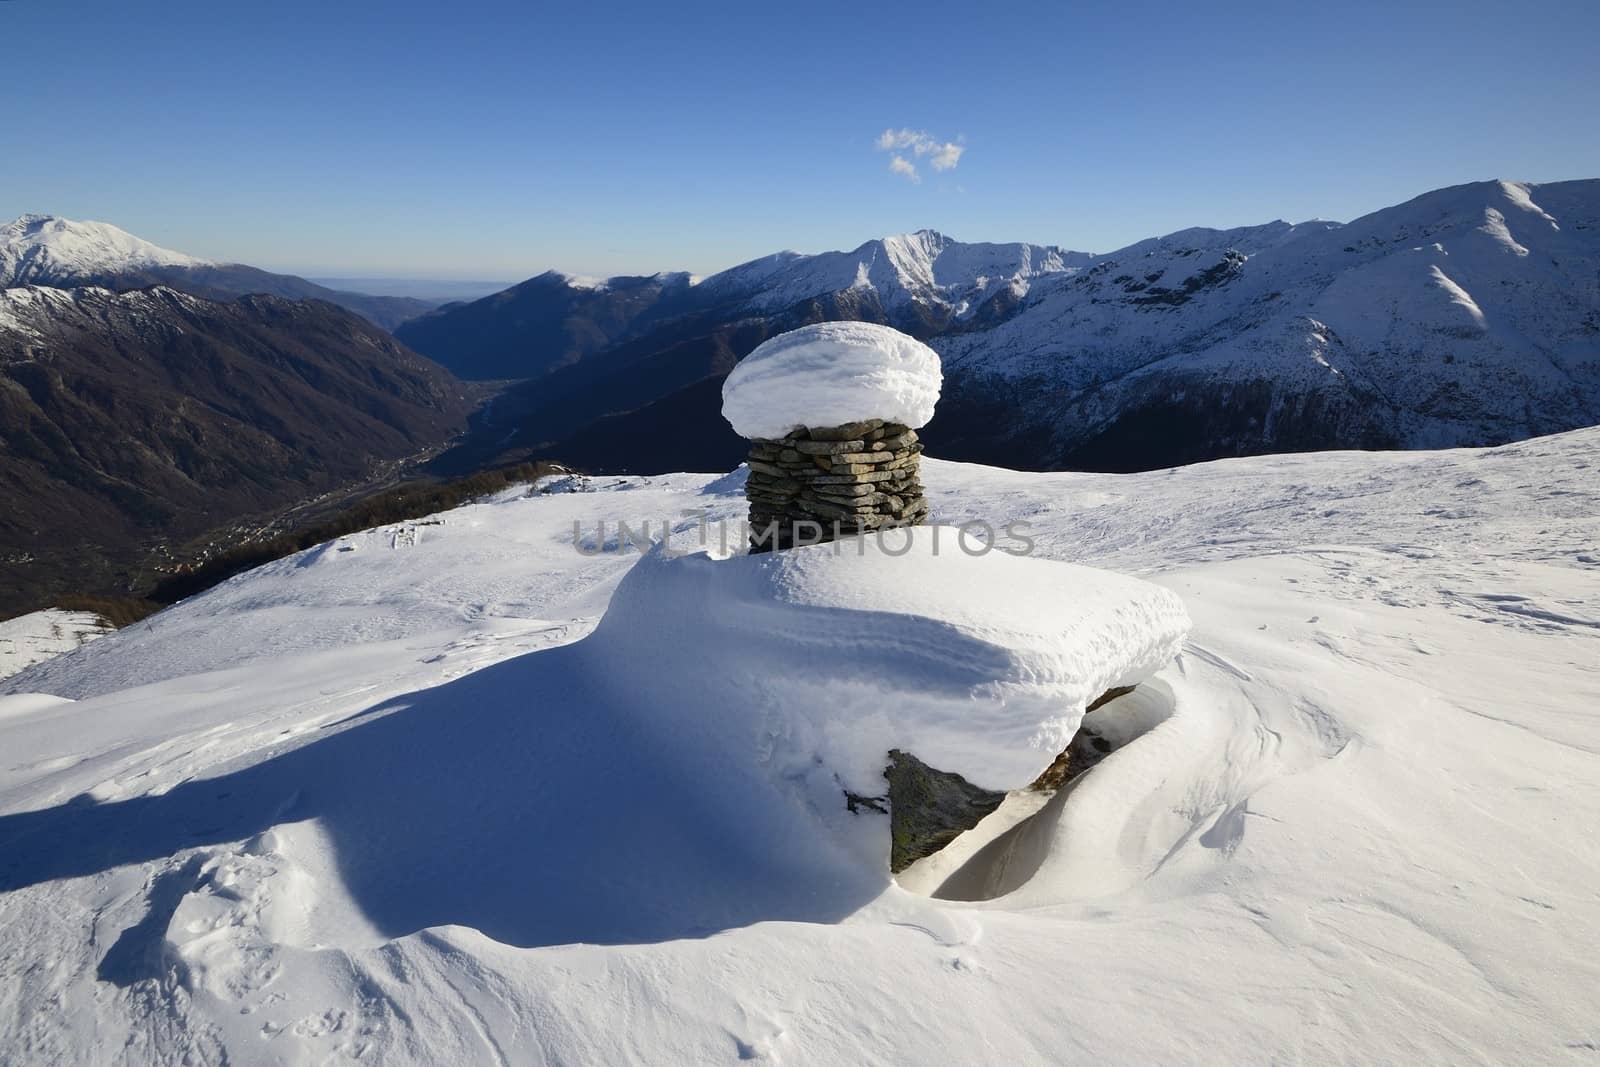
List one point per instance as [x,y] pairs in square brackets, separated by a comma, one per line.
[495,140]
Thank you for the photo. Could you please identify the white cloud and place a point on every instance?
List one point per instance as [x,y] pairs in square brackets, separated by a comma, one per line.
[903,166]
[946,156]
[892,139]
[941,155]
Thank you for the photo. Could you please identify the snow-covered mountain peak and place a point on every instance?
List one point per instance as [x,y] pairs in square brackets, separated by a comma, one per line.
[560,279]
[1463,315]
[1248,240]
[46,247]
[925,268]
[1521,206]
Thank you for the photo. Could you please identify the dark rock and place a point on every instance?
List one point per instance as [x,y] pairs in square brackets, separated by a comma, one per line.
[929,808]
[1084,750]
[855,803]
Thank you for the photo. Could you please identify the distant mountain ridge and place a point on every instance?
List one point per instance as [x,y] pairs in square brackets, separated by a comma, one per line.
[66,253]
[135,419]
[1468,315]
[935,278]
[542,324]
[923,282]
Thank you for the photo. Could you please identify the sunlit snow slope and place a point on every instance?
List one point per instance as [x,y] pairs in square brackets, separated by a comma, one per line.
[1467,315]
[41,635]
[380,800]
[38,248]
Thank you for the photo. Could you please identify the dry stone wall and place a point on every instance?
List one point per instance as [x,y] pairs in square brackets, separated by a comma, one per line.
[821,483]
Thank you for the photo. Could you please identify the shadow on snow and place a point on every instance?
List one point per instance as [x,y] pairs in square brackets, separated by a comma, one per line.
[516,801]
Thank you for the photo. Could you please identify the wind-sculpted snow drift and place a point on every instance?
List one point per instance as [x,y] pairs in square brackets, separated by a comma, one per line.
[826,658]
[694,750]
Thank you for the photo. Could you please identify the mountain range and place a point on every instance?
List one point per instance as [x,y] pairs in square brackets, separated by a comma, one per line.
[149,396]
[924,283]
[66,253]
[1468,315]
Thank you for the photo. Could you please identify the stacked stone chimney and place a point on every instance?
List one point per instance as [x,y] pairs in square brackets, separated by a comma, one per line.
[818,484]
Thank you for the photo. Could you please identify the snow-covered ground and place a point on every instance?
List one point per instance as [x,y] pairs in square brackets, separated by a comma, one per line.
[40,635]
[390,799]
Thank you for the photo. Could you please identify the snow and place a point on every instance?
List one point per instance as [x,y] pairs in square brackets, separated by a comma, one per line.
[49,250]
[978,661]
[397,798]
[1520,194]
[32,313]
[41,635]
[25,703]
[925,269]
[829,374]
[26,309]
[1460,297]
[1465,310]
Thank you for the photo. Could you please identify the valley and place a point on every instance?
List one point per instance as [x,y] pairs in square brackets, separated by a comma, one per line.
[133,423]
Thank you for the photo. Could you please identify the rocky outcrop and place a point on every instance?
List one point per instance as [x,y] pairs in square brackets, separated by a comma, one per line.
[929,808]
[820,484]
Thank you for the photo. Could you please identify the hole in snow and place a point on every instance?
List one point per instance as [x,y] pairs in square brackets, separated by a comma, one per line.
[1007,848]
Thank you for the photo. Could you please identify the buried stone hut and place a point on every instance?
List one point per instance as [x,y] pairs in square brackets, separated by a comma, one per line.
[832,413]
